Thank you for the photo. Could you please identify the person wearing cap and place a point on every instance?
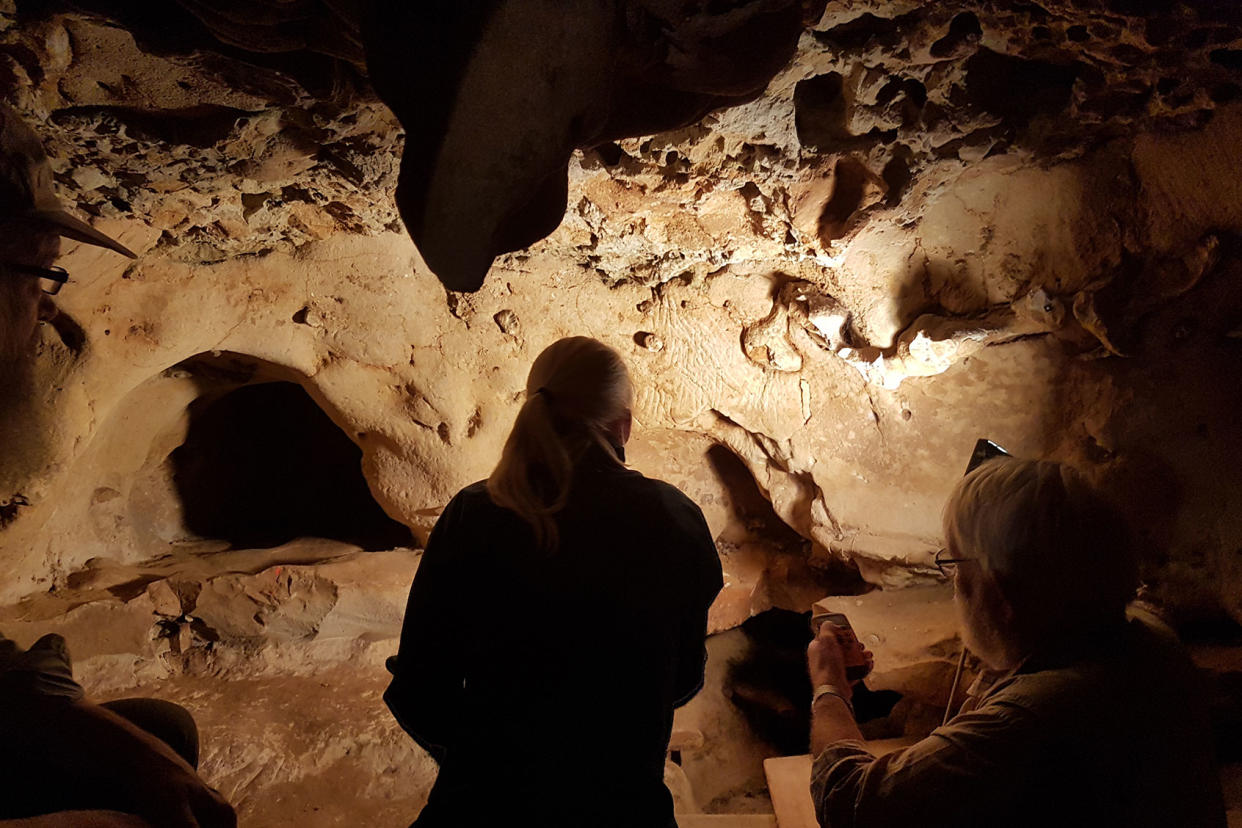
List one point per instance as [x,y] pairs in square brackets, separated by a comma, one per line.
[32,223]
[1085,716]
[65,761]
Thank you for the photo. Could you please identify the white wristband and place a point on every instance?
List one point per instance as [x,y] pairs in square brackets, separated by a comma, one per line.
[831,690]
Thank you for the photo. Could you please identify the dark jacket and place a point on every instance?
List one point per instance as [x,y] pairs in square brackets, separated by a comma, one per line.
[544,683]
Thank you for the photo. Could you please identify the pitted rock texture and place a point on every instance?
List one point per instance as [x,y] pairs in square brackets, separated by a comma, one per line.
[221,158]
[879,92]
[844,282]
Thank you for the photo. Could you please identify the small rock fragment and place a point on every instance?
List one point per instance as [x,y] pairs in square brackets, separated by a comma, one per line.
[648,340]
[508,323]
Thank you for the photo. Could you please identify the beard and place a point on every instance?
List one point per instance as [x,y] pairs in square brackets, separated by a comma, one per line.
[22,438]
[984,633]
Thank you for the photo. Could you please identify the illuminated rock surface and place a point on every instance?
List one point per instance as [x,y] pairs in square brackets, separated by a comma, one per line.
[1000,220]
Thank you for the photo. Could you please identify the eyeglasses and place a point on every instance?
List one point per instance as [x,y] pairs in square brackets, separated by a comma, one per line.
[51,279]
[942,560]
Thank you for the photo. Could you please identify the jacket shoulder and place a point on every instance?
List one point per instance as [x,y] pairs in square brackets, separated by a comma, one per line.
[674,501]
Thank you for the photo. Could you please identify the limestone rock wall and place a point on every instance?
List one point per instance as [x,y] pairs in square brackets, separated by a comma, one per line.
[844,282]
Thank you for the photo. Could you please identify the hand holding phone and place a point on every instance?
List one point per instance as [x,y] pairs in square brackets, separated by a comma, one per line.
[858,661]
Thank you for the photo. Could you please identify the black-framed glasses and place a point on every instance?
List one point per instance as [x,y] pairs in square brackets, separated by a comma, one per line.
[51,279]
[942,560]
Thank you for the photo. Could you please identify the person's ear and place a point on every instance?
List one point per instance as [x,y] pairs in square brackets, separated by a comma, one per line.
[1007,613]
[619,429]
[1003,609]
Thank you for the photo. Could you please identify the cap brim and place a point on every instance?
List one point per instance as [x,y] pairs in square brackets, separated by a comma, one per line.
[74,228]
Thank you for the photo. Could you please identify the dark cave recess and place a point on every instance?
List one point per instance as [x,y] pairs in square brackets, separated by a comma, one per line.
[262,465]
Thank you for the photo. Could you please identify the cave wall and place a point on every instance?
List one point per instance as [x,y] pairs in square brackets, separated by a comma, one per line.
[843,302]
[427,387]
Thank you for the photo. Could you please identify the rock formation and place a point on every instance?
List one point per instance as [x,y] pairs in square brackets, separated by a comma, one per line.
[936,222]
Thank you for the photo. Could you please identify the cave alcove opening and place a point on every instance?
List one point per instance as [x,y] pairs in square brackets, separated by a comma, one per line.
[262,464]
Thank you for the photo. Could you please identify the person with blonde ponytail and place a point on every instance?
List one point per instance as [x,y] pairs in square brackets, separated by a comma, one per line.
[558,616]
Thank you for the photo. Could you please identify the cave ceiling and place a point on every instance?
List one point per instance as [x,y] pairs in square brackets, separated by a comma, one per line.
[268,110]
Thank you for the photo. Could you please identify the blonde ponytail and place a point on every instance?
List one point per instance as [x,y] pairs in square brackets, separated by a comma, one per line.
[577,388]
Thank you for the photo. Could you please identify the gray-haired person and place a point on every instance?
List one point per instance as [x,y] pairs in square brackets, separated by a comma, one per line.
[1084,719]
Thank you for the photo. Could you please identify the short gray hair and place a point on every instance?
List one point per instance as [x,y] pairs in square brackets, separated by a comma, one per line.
[1060,552]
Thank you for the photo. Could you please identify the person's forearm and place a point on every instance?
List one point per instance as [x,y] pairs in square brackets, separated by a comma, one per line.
[831,721]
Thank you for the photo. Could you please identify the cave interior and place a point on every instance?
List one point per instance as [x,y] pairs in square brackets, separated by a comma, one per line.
[835,244]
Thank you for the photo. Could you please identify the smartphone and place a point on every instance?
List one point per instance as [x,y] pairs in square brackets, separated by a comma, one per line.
[856,666]
[985,450]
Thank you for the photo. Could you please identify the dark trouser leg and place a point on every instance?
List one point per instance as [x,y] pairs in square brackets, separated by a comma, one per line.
[31,786]
[170,723]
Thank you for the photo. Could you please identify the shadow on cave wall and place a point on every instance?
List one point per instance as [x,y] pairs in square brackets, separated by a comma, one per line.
[792,567]
[750,505]
[1158,428]
[262,464]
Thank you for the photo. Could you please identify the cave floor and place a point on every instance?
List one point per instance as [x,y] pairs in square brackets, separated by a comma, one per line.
[314,751]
